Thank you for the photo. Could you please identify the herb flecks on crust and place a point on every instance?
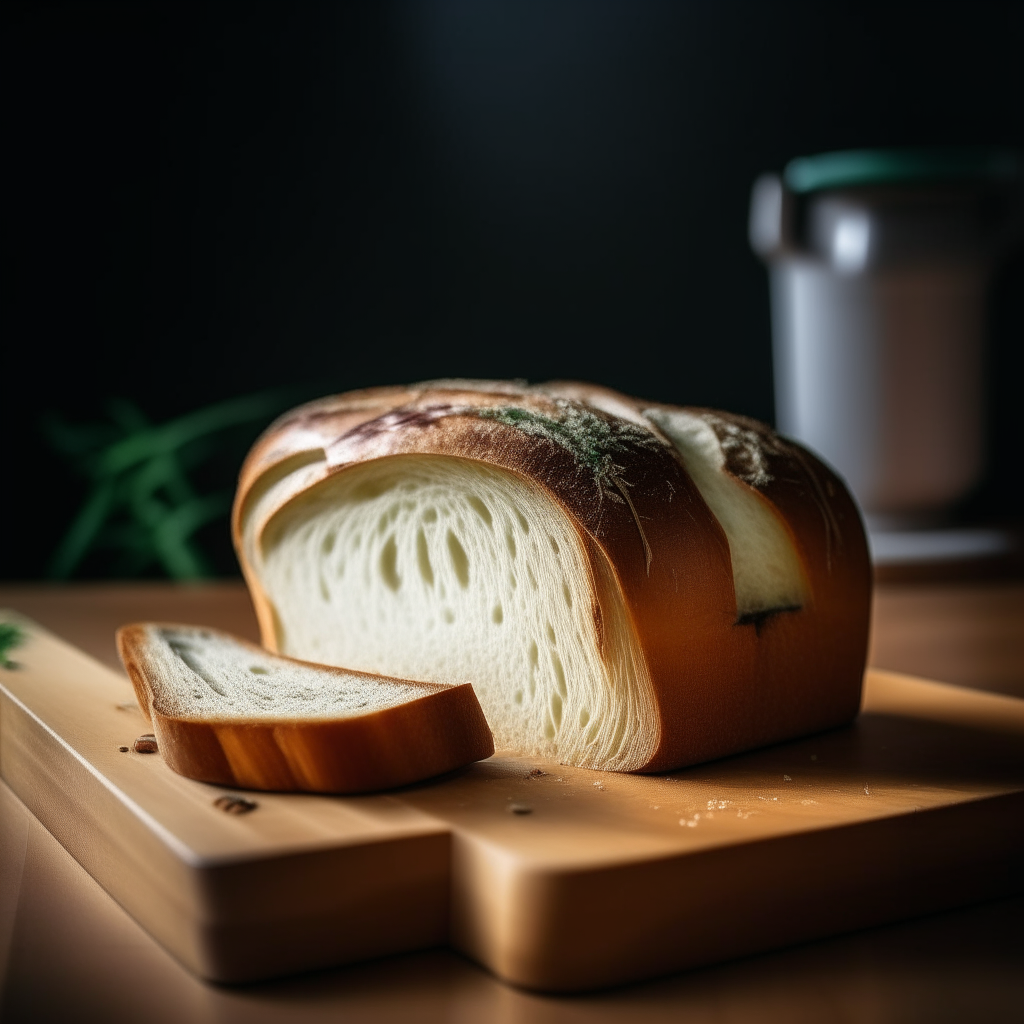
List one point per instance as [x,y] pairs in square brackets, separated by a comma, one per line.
[747,451]
[593,441]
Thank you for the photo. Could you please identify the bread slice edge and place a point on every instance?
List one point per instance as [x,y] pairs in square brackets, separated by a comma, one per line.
[408,742]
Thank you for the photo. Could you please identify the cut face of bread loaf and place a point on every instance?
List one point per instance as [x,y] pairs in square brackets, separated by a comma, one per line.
[453,569]
[229,712]
[626,585]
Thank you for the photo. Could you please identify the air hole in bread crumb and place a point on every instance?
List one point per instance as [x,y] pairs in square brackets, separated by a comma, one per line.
[423,559]
[480,509]
[518,696]
[510,543]
[523,524]
[370,489]
[327,544]
[556,710]
[497,615]
[556,664]
[258,670]
[554,544]
[430,515]
[388,564]
[460,560]
[448,615]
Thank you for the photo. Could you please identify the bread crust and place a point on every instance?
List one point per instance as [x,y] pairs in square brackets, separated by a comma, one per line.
[720,684]
[442,730]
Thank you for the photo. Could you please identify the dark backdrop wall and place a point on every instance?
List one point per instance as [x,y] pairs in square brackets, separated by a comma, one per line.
[212,200]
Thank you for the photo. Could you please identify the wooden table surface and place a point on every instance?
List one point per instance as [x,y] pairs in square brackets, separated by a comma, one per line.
[69,953]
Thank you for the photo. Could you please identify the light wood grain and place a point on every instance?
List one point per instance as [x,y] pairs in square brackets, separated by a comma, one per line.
[607,878]
[73,955]
[232,897]
[968,634]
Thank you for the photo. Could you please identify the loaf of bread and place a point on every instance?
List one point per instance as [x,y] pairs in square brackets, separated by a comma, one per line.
[627,585]
[229,712]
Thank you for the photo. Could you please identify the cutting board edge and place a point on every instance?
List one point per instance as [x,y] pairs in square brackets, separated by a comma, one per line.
[171,894]
[489,906]
[230,950]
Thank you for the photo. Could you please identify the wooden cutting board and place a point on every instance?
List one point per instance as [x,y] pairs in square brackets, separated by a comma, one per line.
[555,878]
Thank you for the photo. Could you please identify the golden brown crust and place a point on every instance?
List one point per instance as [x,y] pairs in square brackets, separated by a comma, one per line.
[720,685]
[436,733]
[794,672]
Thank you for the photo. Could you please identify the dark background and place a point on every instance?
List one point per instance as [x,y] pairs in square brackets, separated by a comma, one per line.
[205,201]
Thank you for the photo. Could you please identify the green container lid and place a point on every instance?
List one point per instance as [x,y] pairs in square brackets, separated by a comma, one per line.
[852,167]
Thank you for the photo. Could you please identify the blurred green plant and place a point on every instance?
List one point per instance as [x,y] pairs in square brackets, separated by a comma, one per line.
[142,503]
[11,636]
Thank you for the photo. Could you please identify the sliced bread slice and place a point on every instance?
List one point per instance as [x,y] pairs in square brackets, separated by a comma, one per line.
[228,712]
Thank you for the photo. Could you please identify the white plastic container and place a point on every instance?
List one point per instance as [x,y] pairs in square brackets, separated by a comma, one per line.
[880,263]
